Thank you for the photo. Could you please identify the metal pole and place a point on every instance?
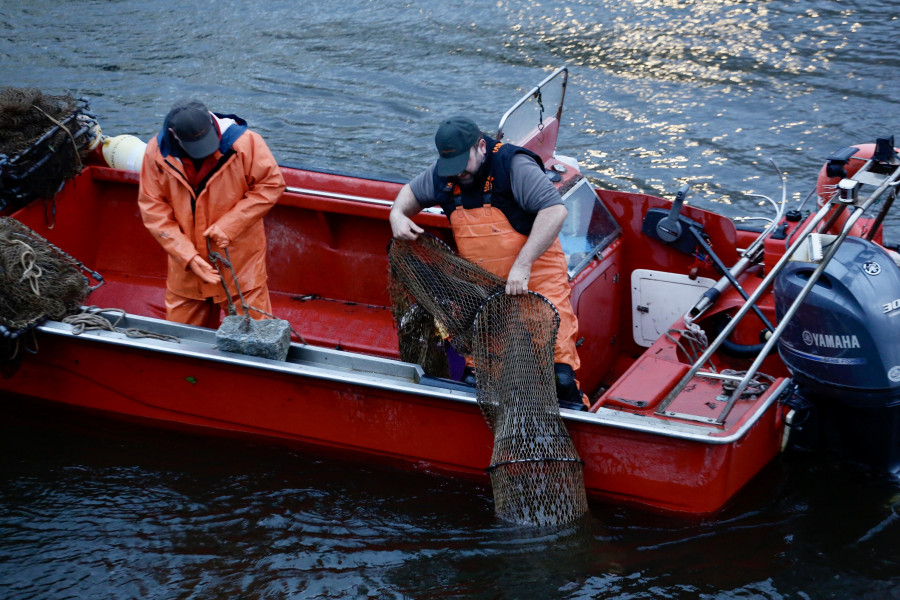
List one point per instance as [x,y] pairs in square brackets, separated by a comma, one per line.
[749,256]
[792,310]
[728,275]
[337,196]
[795,306]
[726,331]
[881,215]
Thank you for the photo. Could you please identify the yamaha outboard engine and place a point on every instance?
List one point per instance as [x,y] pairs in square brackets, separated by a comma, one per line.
[843,349]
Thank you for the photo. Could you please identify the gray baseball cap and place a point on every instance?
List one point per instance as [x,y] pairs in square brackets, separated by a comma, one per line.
[193,124]
[453,139]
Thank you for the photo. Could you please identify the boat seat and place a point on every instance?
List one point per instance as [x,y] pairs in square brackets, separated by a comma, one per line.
[321,321]
[644,384]
[339,324]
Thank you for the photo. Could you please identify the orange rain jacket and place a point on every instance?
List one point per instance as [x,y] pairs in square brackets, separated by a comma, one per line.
[244,185]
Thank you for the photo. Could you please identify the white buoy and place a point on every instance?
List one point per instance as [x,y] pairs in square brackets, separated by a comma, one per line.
[124,152]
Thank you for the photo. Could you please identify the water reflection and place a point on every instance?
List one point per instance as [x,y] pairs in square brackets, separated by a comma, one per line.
[100,509]
[710,91]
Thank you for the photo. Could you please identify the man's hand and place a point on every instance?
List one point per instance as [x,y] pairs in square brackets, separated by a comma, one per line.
[203,270]
[403,227]
[404,207]
[517,282]
[218,236]
[544,231]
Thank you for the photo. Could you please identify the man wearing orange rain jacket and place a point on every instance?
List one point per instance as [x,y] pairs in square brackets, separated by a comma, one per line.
[506,217]
[205,176]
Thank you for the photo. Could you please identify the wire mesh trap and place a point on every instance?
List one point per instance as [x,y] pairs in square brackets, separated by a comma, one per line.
[439,297]
[43,139]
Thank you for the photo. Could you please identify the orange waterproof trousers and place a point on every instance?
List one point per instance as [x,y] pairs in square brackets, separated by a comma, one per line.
[484,236]
[205,313]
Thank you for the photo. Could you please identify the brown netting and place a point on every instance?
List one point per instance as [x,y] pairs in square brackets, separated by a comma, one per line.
[535,470]
[38,281]
[427,278]
[421,341]
[42,142]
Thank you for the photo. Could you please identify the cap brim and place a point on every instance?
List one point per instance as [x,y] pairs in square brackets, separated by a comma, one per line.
[203,147]
[453,165]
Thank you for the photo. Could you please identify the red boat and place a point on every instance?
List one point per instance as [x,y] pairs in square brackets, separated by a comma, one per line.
[689,402]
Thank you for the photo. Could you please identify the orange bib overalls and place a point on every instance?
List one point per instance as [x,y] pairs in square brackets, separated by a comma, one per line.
[484,236]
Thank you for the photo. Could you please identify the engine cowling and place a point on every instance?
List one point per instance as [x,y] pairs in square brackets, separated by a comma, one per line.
[843,349]
[845,336]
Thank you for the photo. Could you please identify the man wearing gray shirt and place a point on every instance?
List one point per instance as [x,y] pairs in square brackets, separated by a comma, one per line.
[506,217]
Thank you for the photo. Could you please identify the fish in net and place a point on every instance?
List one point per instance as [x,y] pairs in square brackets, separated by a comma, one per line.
[536,473]
[434,297]
[38,281]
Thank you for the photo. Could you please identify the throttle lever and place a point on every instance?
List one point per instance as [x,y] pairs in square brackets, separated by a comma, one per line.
[669,228]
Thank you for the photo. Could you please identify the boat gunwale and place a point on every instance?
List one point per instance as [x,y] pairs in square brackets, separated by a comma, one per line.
[200,344]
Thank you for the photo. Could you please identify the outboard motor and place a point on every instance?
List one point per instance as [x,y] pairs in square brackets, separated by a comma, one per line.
[843,349]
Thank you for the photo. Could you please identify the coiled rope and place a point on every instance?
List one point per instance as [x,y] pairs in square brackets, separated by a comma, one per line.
[30,269]
[90,319]
[695,343]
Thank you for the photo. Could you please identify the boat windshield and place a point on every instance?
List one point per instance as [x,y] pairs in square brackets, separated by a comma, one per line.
[588,229]
[533,121]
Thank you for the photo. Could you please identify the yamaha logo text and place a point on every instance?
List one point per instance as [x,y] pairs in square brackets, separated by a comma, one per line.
[830,341]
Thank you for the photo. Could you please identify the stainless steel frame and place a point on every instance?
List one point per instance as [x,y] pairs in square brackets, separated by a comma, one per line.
[859,206]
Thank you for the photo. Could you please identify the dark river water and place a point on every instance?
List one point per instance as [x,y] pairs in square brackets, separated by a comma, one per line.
[661,92]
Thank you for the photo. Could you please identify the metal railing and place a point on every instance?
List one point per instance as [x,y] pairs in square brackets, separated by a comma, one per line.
[864,175]
[537,96]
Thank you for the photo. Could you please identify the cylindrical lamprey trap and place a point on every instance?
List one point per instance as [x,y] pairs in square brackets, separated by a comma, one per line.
[38,281]
[535,471]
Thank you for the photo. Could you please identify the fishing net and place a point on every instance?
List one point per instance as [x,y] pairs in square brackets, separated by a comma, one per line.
[42,142]
[434,296]
[38,281]
[535,471]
